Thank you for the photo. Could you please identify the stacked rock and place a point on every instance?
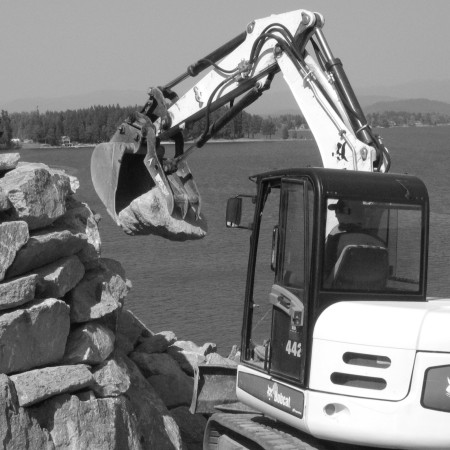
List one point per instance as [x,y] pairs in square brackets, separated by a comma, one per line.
[77,369]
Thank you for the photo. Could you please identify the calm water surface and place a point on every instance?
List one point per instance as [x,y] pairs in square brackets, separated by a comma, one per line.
[196,289]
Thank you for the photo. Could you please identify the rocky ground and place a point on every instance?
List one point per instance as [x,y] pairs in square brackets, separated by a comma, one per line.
[77,369]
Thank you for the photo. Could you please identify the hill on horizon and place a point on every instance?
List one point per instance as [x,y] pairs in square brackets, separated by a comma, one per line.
[416,105]
[418,97]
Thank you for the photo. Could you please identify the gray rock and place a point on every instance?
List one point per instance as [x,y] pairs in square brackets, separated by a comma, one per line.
[158,428]
[131,327]
[137,419]
[18,431]
[17,291]
[13,236]
[207,348]
[5,204]
[84,422]
[8,161]
[192,427]
[37,196]
[175,389]
[216,359]
[58,278]
[34,336]
[90,343]
[37,385]
[158,343]
[99,293]
[111,378]
[27,166]
[155,363]
[189,355]
[123,344]
[45,247]
[79,219]
[164,374]
[188,361]
[189,346]
[148,214]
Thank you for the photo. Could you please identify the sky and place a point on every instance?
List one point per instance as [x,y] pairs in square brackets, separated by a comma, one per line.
[53,48]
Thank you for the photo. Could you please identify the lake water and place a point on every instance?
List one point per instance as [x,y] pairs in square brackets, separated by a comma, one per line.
[196,288]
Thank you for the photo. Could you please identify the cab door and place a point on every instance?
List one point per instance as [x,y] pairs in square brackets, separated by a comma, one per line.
[289,294]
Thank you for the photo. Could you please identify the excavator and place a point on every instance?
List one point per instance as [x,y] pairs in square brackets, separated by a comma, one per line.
[340,345]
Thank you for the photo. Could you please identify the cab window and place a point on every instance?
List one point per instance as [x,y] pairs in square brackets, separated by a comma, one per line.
[372,246]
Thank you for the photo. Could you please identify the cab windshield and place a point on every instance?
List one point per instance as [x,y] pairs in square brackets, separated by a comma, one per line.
[372,246]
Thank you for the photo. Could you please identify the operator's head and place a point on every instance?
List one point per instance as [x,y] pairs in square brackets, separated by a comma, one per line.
[348,212]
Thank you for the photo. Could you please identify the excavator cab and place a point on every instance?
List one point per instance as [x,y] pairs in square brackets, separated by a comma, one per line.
[321,236]
[297,271]
[318,237]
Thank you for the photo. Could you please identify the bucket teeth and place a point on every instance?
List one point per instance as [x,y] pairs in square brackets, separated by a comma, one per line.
[180,197]
[185,190]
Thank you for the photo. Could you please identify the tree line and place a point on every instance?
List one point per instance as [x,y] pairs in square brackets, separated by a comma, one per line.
[98,123]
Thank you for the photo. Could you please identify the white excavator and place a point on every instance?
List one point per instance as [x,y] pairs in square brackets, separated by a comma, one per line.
[340,346]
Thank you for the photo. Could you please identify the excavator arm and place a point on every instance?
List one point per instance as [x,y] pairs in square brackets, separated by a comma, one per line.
[133,162]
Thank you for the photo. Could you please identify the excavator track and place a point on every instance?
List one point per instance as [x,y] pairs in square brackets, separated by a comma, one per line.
[256,432]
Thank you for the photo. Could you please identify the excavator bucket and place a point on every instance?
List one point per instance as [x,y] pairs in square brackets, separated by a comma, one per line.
[121,172]
[112,164]
[214,387]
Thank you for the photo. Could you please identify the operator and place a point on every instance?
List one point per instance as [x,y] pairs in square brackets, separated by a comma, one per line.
[349,231]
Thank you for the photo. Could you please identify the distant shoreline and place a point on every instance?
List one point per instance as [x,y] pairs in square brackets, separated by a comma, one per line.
[30,146]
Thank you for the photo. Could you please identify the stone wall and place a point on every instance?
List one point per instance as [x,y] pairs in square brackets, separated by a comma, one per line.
[77,369]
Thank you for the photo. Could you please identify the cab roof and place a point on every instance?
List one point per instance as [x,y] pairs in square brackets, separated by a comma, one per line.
[390,187]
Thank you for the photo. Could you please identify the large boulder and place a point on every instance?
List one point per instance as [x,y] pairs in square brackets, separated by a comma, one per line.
[44,247]
[100,292]
[79,219]
[14,235]
[123,343]
[18,431]
[34,336]
[112,377]
[90,343]
[189,355]
[136,420]
[38,195]
[17,291]
[158,343]
[131,327]
[175,389]
[5,204]
[37,385]
[84,422]
[8,161]
[218,360]
[58,278]
[164,374]
[27,166]
[148,214]
[157,426]
[155,363]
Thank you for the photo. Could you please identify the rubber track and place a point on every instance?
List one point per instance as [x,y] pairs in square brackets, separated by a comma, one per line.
[266,433]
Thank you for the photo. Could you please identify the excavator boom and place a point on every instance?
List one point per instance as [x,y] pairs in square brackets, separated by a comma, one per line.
[133,162]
